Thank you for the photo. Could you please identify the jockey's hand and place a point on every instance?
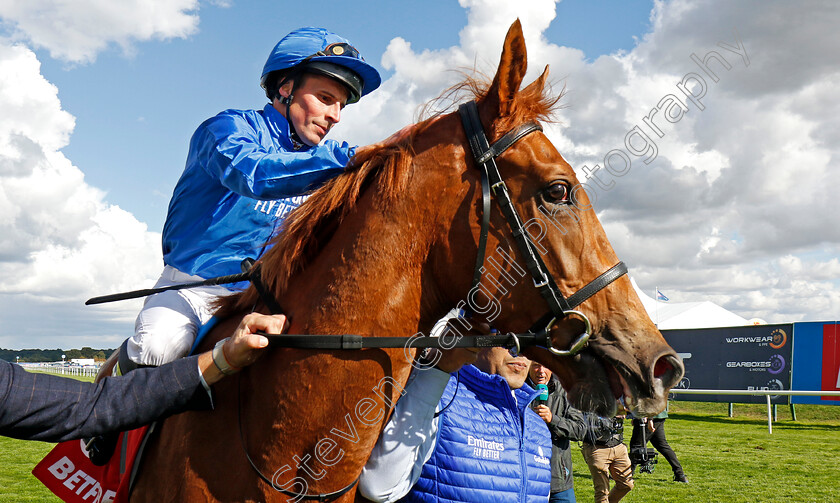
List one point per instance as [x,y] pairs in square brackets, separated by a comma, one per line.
[545,413]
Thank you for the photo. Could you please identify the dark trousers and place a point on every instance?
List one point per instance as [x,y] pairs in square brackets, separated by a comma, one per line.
[658,441]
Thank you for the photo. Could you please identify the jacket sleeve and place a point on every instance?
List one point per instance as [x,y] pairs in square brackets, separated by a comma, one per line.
[228,148]
[407,441]
[566,421]
[54,409]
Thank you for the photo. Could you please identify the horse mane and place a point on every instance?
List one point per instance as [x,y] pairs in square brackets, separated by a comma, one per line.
[384,165]
[535,102]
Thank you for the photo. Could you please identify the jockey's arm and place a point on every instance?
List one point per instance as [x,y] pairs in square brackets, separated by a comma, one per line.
[227,149]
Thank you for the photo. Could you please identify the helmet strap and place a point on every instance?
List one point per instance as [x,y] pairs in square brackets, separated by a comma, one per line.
[297,144]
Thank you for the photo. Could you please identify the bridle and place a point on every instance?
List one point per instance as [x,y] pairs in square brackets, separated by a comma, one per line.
[560,307]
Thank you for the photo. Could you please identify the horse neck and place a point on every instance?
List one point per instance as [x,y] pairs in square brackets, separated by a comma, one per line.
[377,276]
[367,279]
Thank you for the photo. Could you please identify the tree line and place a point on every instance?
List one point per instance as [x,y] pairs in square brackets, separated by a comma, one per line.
[52,355]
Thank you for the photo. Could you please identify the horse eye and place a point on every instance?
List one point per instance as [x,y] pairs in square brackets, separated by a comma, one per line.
[557,192]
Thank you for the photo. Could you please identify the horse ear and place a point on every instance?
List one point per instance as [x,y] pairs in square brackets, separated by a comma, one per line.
[511,70]
[536,87]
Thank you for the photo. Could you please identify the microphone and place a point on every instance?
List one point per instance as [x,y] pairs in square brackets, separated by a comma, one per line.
[543,396]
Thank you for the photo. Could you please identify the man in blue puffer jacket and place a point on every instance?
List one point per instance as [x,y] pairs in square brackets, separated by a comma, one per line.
[486,445]
[246,170]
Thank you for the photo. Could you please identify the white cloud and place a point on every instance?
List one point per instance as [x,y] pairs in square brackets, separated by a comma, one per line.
[421,76]
[62,242]
[741,183]
[76,31]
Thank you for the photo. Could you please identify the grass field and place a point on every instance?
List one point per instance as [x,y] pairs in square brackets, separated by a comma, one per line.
[726,459]
[737,460]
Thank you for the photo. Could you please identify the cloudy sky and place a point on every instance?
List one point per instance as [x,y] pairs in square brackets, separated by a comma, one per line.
[727,195]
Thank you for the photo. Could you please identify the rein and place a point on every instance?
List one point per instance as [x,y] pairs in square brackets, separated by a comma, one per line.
[510,341]
[297,496]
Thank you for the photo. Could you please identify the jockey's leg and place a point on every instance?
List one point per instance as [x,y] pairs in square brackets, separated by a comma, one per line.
[164,331]
[167,325]
[107,368]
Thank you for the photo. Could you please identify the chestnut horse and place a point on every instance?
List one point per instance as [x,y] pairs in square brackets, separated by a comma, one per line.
[387,248]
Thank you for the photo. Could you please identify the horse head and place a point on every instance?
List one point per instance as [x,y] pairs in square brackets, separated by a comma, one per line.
[626,354]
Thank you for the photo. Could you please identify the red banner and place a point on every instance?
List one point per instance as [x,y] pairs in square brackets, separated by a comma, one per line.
[831,361]
[69,474]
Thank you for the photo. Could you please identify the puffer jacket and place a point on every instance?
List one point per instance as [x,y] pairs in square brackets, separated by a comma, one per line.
[492,447]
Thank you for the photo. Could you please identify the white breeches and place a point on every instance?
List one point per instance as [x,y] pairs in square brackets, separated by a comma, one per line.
[169,321]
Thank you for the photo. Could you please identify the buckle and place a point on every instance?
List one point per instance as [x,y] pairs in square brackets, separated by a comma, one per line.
[514,352]
[579,343]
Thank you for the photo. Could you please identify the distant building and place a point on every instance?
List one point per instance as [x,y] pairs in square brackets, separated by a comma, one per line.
[672,315]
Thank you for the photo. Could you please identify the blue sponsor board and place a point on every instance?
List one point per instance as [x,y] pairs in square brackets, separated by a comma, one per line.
[816,361]
[755,357]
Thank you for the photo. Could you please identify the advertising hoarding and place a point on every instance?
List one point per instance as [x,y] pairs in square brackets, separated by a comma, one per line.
[754,357]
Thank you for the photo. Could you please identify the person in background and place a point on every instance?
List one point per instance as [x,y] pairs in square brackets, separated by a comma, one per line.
[484,436]
[55,409]
[607,457]
[653,430]
[565,423]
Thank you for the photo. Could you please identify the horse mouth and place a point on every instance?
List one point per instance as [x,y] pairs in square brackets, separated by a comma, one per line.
[602,381]
[597,384]
[618,385]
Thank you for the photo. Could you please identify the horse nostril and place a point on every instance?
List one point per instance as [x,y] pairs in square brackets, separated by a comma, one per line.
[661,367]
[669,369]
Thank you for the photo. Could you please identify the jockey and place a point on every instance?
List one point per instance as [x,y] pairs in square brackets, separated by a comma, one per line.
[245,171]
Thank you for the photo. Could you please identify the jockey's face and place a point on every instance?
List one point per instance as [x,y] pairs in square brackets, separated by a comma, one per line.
[499,361]
[316,106]
[539,374]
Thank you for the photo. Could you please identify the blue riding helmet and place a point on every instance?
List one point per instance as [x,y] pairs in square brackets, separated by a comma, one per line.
[321,51]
